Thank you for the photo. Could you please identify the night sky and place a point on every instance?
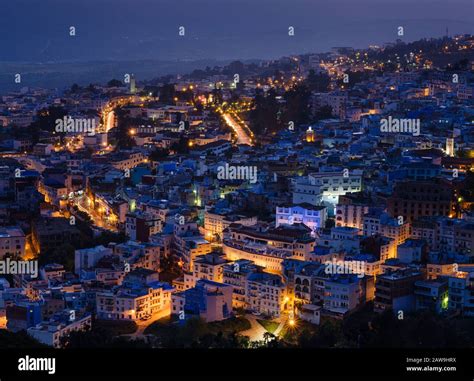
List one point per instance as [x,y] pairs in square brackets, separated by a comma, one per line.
[37,30]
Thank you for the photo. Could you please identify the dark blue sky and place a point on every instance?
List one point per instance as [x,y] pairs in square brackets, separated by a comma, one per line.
[37,30]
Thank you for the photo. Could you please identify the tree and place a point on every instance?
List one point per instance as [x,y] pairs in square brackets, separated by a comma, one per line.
[99,338]
[169,266]
[46,118]
[268,337]
[264,117]
[324,112]
[354,78]
[75,88]
[107,236]
[167,93]
[330,223]
[114,83]
[297,105]
[182,146]
[327,336]
[124,126]
[192,330]
[11,340]
[159,154]
[92,89]
[317,82]
[235,67]
[63,255]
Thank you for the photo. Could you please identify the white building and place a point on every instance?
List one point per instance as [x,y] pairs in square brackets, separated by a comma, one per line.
[343,294]
[336,183]
[382,224]
[134,301]
[460,290]
[216,222]
[58,327]
[87,258]
[208,300]
[235,275]
[410,251]
[139,226]
[310,313]
[209,267]
[12,241]
[350,210]
[312,216]
[326,186]
[266,294]
[336,100]
[305,192]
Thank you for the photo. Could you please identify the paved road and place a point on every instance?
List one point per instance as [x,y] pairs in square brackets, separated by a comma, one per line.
[98,220]
[256,331]
[142,324]
[280,327]
[110,121]
[242,136]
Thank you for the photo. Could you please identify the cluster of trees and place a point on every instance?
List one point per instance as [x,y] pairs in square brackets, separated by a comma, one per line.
[180,147]
[170,269]
[114,83]
[237,67]
[462,64]
[433,50]
[101,338]
[467,191]
[420,330]
[354,78]
[195,333]
[297,107]
[264,118]
[11,340]
[317,82]
[91,88]
[64,254]
[45,121]
[270,116]
[123,138]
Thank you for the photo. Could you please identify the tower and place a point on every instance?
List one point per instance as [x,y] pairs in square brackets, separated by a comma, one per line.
[133,86]
[310,136]
[450,146]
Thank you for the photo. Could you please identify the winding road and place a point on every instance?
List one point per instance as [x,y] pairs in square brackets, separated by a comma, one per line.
[242,136]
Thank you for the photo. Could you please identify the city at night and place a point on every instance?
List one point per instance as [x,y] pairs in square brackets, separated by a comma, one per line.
[206,188]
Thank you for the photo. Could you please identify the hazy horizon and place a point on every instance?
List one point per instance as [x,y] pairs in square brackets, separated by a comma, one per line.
[117,30]
[117,36]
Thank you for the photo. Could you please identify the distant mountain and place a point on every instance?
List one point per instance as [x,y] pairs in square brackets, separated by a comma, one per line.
[64,74]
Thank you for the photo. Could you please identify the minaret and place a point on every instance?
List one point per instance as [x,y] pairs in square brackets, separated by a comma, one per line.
[310,136]
[133,86]
[450,146]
